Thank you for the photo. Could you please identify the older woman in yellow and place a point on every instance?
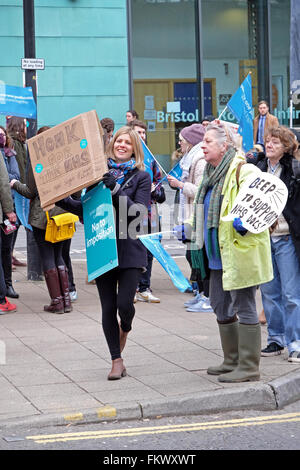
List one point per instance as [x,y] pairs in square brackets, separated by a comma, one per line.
[236,260]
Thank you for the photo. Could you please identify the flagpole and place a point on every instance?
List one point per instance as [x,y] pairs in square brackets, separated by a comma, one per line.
[156,160]
[155,233]
[222,113]
[291,109]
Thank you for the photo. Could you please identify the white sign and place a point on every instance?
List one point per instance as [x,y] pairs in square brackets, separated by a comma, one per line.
[259,202]
[149,114]
[33,64]
[173,106]
[149,102]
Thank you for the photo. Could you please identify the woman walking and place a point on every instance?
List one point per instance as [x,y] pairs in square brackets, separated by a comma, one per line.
[130,187]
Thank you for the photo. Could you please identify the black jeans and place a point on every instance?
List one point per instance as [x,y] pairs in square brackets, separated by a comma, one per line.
[51,253]
[67,259]
[5,250]
[117,290]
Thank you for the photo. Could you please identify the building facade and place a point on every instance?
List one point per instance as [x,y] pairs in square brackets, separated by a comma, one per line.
[173,61]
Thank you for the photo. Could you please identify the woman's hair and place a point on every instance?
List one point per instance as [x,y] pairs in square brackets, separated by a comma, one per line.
[133,113]
[43,129]
[108,124]
[223,133]
[190,146]
[286,137]
[176,155]
[16,128]
[138,153]
[9,141]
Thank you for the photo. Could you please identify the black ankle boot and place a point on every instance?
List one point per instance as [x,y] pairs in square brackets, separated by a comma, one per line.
[10,292]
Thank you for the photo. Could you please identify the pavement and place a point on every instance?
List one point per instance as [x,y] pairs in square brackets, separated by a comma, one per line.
[53,368]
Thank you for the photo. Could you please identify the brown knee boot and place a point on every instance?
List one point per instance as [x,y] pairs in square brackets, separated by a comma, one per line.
[64,282]
[54,289]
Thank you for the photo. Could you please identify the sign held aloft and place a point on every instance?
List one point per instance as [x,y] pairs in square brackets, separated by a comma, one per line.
[259,202]
[67,157]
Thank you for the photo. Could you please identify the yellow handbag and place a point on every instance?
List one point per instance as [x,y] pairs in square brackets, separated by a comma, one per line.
[60,227]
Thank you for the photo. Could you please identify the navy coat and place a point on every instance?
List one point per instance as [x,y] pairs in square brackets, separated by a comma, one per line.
[131,202]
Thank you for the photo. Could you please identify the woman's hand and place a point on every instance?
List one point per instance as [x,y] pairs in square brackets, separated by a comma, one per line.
[12,182]
[109,181]
[174,182]
[11,217]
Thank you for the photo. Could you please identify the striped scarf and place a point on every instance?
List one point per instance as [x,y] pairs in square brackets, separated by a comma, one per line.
[213,177]
[119,170]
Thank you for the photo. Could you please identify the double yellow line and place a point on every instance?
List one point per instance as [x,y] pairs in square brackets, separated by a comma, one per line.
[204,426]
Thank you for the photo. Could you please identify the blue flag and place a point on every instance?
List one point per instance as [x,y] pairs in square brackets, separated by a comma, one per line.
[240,104]
[176,172]
[148,159]
[22,205]
[152,243]
[17,101]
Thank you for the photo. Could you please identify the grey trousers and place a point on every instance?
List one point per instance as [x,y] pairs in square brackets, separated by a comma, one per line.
[227,304]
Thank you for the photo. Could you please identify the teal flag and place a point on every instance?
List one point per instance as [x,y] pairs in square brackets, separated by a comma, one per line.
[22,205]
[152,243]
[99,231]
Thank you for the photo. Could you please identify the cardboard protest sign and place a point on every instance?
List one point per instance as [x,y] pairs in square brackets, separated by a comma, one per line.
[67,157]
[259,202]
[99,231]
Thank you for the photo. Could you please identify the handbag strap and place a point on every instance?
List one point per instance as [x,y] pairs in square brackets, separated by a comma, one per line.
[47,215]
[129,179]
[238,170]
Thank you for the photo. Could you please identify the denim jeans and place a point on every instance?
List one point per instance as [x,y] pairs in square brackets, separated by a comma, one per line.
[145,279]
[281,296]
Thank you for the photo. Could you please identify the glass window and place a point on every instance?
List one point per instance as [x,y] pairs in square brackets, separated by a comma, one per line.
[227,54]
[164,71]
[280,47]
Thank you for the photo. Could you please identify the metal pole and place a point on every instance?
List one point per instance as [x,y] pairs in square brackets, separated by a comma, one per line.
[34,268]
[199,55]
[264,51]
[129,46]
[29,50]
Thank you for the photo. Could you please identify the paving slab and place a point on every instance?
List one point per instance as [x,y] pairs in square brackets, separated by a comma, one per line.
[54,368]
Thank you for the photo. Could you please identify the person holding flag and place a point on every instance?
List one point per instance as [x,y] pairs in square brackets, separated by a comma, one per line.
[189,174]
[130,188]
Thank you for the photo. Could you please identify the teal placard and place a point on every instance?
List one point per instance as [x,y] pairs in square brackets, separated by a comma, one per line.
[100,231]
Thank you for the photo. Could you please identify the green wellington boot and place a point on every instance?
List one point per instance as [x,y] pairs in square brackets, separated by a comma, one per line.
[229,334]
[249,356]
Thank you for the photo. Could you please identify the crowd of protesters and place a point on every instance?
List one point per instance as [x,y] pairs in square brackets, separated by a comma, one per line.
[228,263]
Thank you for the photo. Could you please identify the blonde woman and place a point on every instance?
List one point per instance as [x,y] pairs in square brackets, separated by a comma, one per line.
[130,187]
